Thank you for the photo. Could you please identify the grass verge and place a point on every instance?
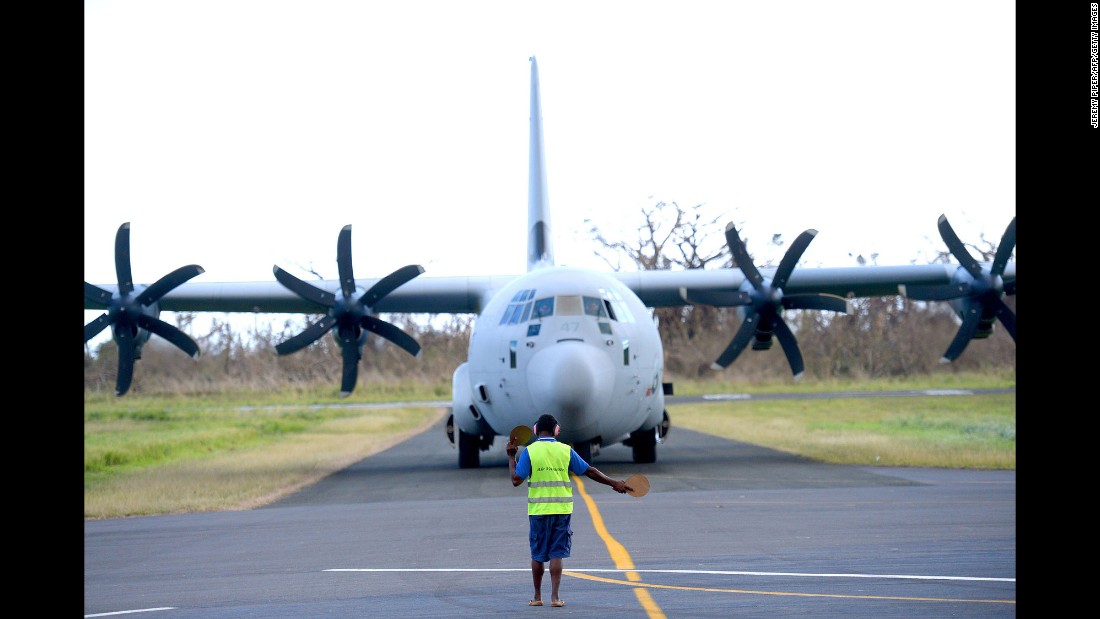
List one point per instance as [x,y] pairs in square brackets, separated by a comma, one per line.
[963,432]
[167,454]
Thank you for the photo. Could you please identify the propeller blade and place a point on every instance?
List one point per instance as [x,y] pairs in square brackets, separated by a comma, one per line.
[935,292]
[791,258]
[343,261]
[790,347]
[304,290]
[1007,318]
[125,340]
[165,284]
[741,256]
[95,294]
[350,353]
[307,337]
[181,340]
[348,315]
[738,343]
[1004,250]
[982,299]
[129,315]
[391,333]
[390,283]
[966,332]
[958,249]
[820,301]
[763,323]
[717,298]
[122,260]
[93,328]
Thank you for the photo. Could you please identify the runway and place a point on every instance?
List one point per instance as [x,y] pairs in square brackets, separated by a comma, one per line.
[727,529]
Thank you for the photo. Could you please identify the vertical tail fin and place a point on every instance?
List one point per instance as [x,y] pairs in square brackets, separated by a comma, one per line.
[540,247]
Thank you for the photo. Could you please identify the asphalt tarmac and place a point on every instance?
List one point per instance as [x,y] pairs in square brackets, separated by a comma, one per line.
[727,529]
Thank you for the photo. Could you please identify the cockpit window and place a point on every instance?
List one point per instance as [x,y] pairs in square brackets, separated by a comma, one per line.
[544,308]
[520,307]
[612,308]
[594,307]
[618,308]
[569,306]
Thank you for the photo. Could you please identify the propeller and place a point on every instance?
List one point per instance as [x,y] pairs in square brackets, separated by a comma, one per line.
[764,302]
[976,294]
[349,316]
[132,311]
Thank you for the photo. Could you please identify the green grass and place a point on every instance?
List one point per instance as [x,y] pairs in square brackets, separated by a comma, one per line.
[173,454]
[133,439]
[971,432]
[946,380]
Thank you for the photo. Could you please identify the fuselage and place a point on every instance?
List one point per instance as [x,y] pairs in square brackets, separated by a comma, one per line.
[574,343]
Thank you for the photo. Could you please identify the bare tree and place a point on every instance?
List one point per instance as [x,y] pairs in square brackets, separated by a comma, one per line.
[672,237]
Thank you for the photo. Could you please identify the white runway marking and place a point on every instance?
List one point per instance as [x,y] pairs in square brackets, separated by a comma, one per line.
[127,612]
[711,572]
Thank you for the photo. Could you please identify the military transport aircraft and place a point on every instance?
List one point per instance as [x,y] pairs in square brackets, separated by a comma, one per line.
[580,344]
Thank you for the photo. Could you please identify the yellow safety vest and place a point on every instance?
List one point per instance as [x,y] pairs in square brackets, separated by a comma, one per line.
[549,490]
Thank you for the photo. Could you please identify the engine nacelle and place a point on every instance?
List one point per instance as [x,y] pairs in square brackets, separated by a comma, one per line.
[979,288]
[132,309]
[464,411]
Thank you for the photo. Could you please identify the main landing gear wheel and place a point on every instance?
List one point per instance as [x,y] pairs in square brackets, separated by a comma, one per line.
[469,450]
[644,445]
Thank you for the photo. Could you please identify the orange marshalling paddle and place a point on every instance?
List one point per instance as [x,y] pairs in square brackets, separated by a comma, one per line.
[639,483]
[520,435]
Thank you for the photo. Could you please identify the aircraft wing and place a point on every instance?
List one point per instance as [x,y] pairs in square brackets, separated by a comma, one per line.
[665,288]
[462,295]
[439,295]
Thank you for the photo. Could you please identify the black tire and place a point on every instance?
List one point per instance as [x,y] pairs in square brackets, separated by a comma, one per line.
[584,450]
[644,445]
[469,451]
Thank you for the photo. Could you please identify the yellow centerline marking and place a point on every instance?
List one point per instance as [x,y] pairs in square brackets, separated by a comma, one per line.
[623,562]
[783,593]
[619,555]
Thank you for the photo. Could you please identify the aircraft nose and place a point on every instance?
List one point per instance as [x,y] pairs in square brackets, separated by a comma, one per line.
[572,379]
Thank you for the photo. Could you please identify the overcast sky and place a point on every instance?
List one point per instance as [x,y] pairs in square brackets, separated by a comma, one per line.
[241,134]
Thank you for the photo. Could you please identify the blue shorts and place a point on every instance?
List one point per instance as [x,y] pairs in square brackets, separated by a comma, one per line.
[551,537]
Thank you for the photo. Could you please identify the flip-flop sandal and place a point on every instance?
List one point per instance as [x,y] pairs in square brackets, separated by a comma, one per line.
[558,603]
[535,603]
